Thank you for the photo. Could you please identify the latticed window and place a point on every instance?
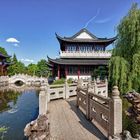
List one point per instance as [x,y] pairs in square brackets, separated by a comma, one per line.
[72,69]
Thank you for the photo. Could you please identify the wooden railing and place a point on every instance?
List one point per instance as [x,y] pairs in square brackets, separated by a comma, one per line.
[105,111]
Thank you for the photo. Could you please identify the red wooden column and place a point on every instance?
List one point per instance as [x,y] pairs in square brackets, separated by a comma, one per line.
[58,72]
[66,71]
[2,70]
[53,69]
[78,72]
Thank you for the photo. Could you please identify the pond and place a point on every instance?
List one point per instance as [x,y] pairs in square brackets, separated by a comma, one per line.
[17,108]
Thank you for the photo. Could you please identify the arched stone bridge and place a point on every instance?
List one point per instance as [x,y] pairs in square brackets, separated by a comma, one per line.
[26,79]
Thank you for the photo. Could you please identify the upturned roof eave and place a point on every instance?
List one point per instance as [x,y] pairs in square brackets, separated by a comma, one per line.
[71,62]
[109,40]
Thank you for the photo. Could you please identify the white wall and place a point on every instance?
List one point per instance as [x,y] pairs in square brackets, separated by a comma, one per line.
[84,35]
[75,77]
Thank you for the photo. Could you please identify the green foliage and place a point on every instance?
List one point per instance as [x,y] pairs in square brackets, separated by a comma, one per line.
[124,66]
[136,71]
[16,67]
[32,69]
[39,69]
[59,81]
[118,72]
[14,60]
[100,71]
[3,51]
[128,42]
[69,81]
[42,68]
[3,130]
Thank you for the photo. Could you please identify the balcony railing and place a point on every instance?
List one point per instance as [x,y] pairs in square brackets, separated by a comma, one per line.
[86,54]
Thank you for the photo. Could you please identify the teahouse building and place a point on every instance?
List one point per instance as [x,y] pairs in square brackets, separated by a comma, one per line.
[3,64]
[80,55]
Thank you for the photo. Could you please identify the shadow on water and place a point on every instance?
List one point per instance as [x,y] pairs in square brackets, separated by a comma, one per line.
[85,123]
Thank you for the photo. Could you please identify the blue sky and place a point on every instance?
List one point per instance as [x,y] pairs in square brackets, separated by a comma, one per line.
[27,27]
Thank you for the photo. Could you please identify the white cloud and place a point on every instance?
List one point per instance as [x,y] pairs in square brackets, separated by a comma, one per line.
[91,19]
[12,40]
[103,20]
[27,60]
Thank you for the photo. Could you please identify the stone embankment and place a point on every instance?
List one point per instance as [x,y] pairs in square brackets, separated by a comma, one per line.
[38,129]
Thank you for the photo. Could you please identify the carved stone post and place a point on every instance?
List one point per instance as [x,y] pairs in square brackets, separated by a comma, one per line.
[115,120]
[66,90]
[95,86]
[47,90]
[88,100]
[98,79]
[43,101]
[79,85]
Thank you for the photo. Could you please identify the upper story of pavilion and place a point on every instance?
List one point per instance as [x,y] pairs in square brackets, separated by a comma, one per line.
[84,45]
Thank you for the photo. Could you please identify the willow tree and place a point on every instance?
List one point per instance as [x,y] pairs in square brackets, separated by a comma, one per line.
[118,71]
[124,67]
[136,71]
[128,42]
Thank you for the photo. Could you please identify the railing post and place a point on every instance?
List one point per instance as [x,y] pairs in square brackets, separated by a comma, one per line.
[47,91]
[98,79]
[95,86]
[66,89]
[115,121]
[88,100]
[43,101]
[79,85]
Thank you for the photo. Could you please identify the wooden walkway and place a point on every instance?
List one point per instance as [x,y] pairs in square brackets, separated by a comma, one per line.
[68,123]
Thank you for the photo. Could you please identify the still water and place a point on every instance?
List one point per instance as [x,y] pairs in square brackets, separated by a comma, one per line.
[17,108]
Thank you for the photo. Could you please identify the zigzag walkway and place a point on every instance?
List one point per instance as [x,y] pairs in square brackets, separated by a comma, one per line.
[68,123]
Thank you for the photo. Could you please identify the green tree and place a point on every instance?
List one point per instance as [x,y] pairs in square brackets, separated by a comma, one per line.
[118,72]
[124,65]
[3,51]
[32,69]
[16,66]
[14,60]
[43,69]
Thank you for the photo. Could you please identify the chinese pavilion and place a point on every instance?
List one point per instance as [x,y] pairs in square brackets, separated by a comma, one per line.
[80,55]
[3,64]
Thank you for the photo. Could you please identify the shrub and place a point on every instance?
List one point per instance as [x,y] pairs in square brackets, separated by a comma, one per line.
[59,81]
[69,81]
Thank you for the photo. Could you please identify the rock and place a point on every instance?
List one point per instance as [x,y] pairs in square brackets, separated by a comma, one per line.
[38,129]
[127,136]
[134,111]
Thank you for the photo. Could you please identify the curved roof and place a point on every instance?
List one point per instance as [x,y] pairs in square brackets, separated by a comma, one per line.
[90,38]
[4,56]
[79,61]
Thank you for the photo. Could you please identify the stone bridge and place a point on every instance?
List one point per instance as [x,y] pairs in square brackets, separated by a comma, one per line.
[92,115]
[26,79]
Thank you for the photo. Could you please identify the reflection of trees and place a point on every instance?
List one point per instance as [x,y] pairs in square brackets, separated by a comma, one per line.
[6,97]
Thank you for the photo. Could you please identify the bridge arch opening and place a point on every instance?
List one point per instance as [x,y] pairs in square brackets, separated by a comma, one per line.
[19,83]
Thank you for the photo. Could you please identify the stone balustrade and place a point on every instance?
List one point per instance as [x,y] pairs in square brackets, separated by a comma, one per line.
[4,80]
[105,111]
[26,79]
[87,54]
[65,91]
